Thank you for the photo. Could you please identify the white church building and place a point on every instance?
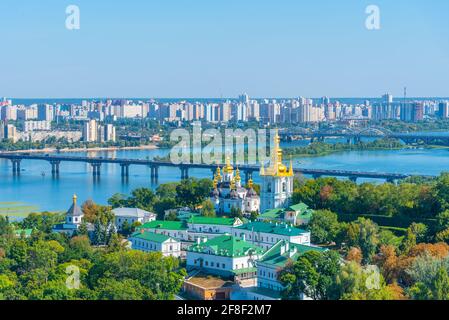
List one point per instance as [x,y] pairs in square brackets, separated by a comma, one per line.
[277,181]
[228,192]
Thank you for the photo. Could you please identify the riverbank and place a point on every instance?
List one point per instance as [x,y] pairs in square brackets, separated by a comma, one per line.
[319,149]
[94,149]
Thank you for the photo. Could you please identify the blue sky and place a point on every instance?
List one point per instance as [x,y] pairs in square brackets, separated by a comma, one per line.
[214,48]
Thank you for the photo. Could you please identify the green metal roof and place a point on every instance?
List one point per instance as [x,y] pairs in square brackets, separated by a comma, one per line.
[212,220]
[274,257]
[245,270]
[272,214]
[298,207]
[228,246]
[272,227]
[151,236]
[302,210]
[164,225]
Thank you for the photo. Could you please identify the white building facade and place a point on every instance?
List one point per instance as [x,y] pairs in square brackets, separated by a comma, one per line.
[131,216]
[225,255]
[267,234]
[152,242]
[277,181]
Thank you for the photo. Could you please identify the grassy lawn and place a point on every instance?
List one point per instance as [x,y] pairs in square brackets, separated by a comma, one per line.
[16,209]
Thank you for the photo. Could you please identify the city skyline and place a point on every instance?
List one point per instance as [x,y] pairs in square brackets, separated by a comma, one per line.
[171,50]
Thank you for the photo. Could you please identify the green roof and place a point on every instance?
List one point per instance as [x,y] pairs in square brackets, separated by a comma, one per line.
[212,220]
[26,232]
[274,257]
[228,246]
[164,225]
[301,208]
[151,236]
[245,270]
[272,214]
[274,228]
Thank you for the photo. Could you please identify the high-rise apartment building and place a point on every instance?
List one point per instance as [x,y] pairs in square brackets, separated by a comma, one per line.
[45,112]
[10,133]
[412,112]
[90,131]
[443,110]
[109,133]
[93,132]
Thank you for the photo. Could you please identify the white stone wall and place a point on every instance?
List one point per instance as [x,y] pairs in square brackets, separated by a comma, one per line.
[168,248]
[209,228]
[273,194]
[219,263]
[267,278]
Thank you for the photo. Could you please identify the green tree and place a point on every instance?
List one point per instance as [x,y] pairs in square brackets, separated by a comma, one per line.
[312,275]
[192,192]
[441,285]
[324,226]
[357,283]
[363,233]
[236,212]
[207,209]
[167,190]
[161,205]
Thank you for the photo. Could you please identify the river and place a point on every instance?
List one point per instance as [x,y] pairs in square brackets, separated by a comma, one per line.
[35,185]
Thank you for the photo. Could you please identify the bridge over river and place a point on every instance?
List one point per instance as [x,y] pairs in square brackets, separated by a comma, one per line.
[96,163]
[372,132]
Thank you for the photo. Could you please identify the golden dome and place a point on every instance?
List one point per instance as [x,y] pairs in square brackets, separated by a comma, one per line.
[237,175]
[277,168]
[228,167]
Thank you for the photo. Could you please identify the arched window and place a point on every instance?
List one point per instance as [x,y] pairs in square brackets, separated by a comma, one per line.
[284,187]
[269,187]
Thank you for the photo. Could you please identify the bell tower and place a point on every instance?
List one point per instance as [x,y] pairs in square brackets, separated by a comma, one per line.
[277,181]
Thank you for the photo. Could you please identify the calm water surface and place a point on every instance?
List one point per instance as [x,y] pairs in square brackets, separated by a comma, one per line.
[35,186]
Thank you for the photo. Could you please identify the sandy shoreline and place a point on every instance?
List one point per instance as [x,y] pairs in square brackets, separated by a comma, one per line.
[53,150]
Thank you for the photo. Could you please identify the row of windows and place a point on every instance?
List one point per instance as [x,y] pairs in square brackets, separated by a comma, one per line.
[270,275]
[270,189]
[152,246]
[207,230]
[130,220]
[212,264]
[271,286]
[145,244]
[261,238]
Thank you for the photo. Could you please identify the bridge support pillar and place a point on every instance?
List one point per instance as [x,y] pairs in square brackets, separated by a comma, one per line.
[124,170]
[16,166]
[154,174]
[391,180]
[184,173]
[96,169]
[353,179]
[55,167]
[316,176]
